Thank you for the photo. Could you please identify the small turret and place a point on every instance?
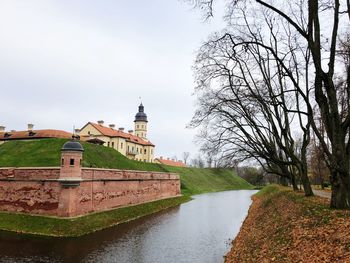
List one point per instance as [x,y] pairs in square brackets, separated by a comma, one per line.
[71,159]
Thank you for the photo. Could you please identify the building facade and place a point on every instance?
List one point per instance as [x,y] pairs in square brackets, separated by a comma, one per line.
[132,144]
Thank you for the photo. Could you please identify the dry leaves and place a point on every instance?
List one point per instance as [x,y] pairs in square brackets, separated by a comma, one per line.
[287,227]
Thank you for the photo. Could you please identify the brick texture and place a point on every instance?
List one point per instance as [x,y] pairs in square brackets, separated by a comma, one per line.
[39,190]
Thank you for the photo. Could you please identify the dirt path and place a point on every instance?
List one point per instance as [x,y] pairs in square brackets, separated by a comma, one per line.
[322,193]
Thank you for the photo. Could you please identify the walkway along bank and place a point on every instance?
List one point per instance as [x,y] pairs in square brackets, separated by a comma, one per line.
[71,190]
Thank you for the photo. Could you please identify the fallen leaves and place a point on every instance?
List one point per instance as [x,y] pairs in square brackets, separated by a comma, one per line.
[287,227]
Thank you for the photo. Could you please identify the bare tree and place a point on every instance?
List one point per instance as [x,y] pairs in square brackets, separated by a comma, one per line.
[185,156]
[248,104]
[325,44]
[197,162]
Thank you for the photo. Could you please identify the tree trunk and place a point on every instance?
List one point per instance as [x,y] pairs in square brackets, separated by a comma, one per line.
[305,180]
[283,181]
[306,185]
[340,190]
[294,183]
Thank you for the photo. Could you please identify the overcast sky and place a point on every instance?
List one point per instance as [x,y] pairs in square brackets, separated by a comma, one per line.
[64,63]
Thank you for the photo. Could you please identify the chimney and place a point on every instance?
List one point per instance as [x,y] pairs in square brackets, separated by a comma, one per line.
[131,131]
[161,157]
[112,126]
[100,122]
[30,127]
[2,128]
[168,158]
[13,130]
[121,128]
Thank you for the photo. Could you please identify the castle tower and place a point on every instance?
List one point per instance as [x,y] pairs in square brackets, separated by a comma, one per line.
[71,158]
[141,123]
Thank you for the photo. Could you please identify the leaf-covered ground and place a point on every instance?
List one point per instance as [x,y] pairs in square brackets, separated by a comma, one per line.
[284,226]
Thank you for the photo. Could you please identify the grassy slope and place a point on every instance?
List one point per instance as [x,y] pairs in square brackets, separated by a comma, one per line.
[47,153]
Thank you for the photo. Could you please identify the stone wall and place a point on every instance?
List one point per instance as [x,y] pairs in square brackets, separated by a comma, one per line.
[42,191]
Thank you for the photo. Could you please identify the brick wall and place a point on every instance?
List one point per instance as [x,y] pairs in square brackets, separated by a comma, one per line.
[39,190]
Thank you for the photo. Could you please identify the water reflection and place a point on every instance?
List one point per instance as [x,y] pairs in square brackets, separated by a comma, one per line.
[198,231]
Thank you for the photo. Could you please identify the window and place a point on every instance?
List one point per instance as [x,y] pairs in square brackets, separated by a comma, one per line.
[121,145]
[137,150]
[145,151]
[113,144]
[80,162]
[151,151]
[89,132]
[138,126]
[144,160]
[62,162]
[71,162]
[107,144]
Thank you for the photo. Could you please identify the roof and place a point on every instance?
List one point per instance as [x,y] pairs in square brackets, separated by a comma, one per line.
[171,162]
[93,140]
[35,134]
[72,146]
[141,115]
[109,132]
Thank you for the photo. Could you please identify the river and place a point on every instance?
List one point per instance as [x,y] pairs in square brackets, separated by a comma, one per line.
[198,231]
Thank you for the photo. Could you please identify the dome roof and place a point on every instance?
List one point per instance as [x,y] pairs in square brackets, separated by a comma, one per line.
[141,115]
[72,146]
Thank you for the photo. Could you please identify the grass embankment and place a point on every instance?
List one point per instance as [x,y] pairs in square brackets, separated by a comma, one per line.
[284,226]
[51,226]
[46,153]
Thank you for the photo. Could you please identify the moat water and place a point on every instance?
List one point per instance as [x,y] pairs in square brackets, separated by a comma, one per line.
[198,231]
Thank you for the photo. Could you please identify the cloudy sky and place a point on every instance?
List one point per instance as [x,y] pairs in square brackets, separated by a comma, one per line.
[65,63]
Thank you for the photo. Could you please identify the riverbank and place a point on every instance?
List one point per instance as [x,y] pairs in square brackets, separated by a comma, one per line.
[284,226]
[74,227]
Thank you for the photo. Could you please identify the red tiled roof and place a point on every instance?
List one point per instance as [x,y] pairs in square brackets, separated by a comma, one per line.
[171,162]
[36,134]
[116,133]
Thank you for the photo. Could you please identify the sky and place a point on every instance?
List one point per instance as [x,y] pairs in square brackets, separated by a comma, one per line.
[64,63]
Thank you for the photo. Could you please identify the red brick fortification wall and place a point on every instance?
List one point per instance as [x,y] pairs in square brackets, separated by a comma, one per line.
[40,191]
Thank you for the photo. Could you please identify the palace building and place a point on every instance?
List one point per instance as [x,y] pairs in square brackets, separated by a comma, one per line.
[132,144]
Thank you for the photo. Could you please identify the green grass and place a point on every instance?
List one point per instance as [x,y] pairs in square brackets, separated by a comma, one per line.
[46,153]
[204,180]
[268,190]
[51,226]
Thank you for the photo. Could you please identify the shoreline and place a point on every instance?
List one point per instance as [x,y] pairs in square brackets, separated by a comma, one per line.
[49,226]
[285,226]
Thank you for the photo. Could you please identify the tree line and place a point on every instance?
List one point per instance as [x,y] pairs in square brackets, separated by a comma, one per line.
[274,87]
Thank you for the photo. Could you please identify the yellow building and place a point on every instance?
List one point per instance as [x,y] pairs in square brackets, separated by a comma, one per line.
[133,145]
